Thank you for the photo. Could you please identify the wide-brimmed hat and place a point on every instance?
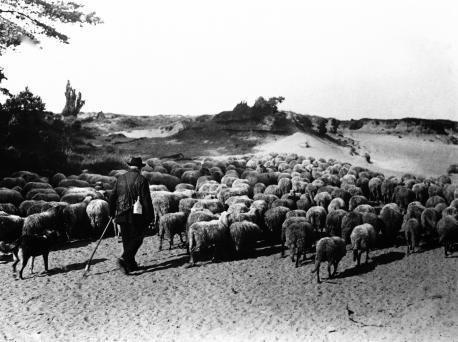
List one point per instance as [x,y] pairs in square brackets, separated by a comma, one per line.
[136,161]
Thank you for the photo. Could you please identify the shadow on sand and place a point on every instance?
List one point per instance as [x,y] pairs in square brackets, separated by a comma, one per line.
[381,259]
[75,266]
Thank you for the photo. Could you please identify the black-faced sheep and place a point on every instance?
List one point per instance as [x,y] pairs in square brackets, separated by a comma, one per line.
[51,219]
[9,208]
[330,249]
[363,239]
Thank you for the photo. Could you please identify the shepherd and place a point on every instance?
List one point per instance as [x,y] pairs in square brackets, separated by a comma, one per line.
[132,208]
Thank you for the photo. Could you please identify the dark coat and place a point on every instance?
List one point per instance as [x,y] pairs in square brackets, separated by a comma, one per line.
[128,187]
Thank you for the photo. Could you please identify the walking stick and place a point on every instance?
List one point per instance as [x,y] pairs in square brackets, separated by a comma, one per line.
[88,264]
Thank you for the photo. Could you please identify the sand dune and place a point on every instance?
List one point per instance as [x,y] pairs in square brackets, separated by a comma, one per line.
[389,153]
[395,298]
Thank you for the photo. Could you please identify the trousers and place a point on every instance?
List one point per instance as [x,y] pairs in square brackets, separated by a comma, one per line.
[133,229]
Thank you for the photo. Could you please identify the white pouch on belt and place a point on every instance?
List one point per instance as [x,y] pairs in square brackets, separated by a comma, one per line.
[138,206]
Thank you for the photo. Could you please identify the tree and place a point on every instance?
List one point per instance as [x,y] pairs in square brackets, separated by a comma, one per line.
[334,125]
[73,102]
[322,127]
[34,19]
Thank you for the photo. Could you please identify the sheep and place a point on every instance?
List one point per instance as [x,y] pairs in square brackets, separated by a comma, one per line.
[336,203]
[51,219]
[289,203]
[186,204]
[76,219]
[452,211]
[316,215]
[171,224]
[162,178]
[206,234]
[213,205]
[9,208]
[374,220]
[330,249]
[363,238]
[77,183]
[11,182]
[74,195]
[10,196]
[375,188]
[434,200]
[323,199]
[414,210]
[428,219]
[98,212]
[356,201]
[349,221]
[411,228]
[269,199]
[259,188]
[198,216]
[244,235]
[447,229]
[157,187]
[238,199]
[364,208]
[392,220]
[298,236]
[41,206]
[163,202]
[273,220]
[27,176]
[334,222]
[296,213]
[34,186]
[47,197]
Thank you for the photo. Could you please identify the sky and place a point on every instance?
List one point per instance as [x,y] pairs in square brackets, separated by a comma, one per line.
[342,59]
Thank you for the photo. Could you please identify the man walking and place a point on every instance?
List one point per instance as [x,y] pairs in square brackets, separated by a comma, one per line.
[132,208]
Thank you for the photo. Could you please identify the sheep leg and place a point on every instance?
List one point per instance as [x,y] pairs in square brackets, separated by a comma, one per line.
[445,249]
[359,258]
[367,256]
[181,238]
[293,252]
[45,261]
[336,263]
[16,261]
[161,238]
[298,257]
[171,241]
[318,274]
[282,248]
[31,266]
[25,258]
[329,269]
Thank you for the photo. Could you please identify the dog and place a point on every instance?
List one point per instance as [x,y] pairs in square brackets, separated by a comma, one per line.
[33,246]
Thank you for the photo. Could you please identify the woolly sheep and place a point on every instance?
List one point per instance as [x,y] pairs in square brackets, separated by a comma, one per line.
[273,220]
[11,182]
[244,235]
[9,208]
[164,202]
[330,249]
[447,229]
[186,204]
[316,215]
[162,178]
[349,221]
[429,218]
[205,234]
[213,205]
[364,208]
[98,212]
[433,201]
[171,224]
[76,219]
[323,199]
[336,203]
[10,196]
[411,228]
[334,222]
[51,219]
[363,238]
[298,236]
[77,183]
[392,220]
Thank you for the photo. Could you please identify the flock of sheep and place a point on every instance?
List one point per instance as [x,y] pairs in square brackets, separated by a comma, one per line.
[231,205]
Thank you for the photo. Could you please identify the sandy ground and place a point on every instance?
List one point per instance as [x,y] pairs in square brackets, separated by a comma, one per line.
[389,153]
[394,298]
